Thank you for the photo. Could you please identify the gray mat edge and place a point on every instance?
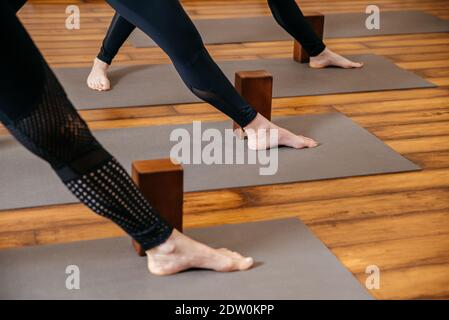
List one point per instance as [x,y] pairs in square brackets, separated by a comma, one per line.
[413,166]
[134,43]
[293,219]
[425,83]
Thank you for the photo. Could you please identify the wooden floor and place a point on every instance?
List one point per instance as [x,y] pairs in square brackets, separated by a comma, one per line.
[399,222]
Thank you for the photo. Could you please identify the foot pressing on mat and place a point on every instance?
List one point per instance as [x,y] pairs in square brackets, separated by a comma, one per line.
[98,77]
[181,253]
[328,58]
[258,133]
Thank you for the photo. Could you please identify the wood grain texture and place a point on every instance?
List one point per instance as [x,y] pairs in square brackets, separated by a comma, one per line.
[399,222]
[162,184]
[256,87]
[316,21]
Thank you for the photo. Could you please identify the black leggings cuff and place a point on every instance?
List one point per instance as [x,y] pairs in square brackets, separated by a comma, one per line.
[317,50]
[247,118]
[104,57]
[148,241]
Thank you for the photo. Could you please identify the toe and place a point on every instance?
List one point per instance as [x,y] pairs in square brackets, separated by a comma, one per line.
[310,143]
[245,264]
[230,253]
[313,143]
[348,65]
[107,85]
[104,84]
[98,85]
[354,65]
[90,83]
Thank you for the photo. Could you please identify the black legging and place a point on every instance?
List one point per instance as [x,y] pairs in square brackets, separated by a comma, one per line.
[170,27]
[286,12]
[36,111]
[166,22]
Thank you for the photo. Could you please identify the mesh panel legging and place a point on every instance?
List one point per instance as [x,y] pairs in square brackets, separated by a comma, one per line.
[166,22]
[36,111]
[286,12]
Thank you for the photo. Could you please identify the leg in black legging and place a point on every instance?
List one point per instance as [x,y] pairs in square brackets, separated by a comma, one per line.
[290,17]
[15,5]
[286,12]
[36,111]
[119,30]
[166,22]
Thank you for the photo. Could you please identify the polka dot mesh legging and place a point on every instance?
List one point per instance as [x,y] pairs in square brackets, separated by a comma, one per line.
[36,111]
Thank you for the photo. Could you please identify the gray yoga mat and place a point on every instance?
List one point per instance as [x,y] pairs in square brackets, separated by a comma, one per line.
[144,85]
[340,25]
[346,150]
[291,263]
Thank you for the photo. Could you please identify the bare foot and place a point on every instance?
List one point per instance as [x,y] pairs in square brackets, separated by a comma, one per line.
[98,77]
[260,130]
[328,58]
[180,253]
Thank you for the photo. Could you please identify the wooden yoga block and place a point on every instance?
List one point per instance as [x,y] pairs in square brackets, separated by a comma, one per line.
[256,87]
[161,183]
[316,20]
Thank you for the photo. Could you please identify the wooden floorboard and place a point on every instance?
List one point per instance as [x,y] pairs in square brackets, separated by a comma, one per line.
[399,222]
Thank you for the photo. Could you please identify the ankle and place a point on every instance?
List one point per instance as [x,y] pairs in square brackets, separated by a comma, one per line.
[325,53]
[259,123]
[165,248]
[100,64]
